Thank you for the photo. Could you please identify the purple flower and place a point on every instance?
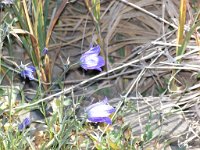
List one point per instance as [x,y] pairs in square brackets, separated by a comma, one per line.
[92,60]
[7,2]
[27,71]
[100,112]
[44,51]
[26,122]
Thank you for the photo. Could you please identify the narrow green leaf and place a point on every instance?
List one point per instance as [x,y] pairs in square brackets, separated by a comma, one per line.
[187,38]
[45,11]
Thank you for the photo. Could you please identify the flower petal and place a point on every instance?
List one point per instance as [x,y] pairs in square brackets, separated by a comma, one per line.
[23,74]
[28,74]
[101,119]
[7,2]
[101,61]
[93,50]
[26,122]
[27,71]
[91,60]
[44,51]
[21,127]
[103,102]
[101,111]
[31,68]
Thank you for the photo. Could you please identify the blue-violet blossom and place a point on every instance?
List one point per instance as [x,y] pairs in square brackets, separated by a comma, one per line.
[26,122]
[44,51]
[100,112]
[27,71]
[7,2]
[92,60]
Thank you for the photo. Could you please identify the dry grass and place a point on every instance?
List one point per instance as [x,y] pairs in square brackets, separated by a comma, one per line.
[140,40]
[146,32]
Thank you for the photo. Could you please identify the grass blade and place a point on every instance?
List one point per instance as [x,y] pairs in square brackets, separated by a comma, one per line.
[182,17]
